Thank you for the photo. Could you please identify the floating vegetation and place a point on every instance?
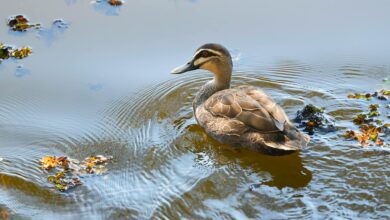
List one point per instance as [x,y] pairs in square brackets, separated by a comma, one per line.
[312,118]
[367,96]
[94,164]
[370,117]
[109,7]
[362,119]
[371,128]
[63,183]
[49,162]
[7,52]
[67,170]
[115,2]
[366,134]
[4,52]
[20,23]
[21,52]
[111,2]
[382,94]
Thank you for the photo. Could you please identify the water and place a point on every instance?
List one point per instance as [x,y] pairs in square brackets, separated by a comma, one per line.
[102,86]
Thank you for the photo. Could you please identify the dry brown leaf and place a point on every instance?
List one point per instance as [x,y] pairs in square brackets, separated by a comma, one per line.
[115,2]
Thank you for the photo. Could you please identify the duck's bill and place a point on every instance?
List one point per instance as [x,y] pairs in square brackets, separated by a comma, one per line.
[184,68]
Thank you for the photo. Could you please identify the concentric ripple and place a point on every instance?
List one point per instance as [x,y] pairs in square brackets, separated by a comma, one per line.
[166,166]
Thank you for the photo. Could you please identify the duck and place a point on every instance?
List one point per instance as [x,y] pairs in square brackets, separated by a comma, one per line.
[244,116]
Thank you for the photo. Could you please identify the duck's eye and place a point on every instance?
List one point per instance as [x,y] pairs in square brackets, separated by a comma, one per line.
[205,54]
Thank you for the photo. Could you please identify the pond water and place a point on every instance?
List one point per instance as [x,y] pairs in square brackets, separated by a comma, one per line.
[102,86]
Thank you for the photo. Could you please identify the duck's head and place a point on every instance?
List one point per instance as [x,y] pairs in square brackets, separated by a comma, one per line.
[212,57]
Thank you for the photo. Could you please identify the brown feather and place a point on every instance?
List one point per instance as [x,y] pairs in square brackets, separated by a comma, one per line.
[250,106]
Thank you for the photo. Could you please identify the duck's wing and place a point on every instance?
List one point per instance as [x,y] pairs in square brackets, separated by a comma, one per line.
[249,105]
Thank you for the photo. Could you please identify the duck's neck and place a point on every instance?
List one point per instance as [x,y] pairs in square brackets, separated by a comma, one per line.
[220,82]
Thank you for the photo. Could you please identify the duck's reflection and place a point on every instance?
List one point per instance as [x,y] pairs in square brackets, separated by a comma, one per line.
[284,171]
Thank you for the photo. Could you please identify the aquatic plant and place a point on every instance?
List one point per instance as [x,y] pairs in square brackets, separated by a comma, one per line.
[7,52]
[20,23]
[371,128]
[312,118]
[382,94]
[115,2]
[67,170]
[366,134]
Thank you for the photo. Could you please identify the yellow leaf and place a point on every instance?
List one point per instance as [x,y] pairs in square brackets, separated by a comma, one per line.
[49,162]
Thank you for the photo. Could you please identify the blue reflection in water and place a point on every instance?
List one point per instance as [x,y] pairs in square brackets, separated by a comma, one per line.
[21,71]
[106,8]
[51,34]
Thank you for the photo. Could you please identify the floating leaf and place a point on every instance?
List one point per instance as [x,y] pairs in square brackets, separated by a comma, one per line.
[4,51]
[49,162]
[379,142]
[62,187]
[115,2]
[67,170]
[20,23]
[360,96]
[372,127]
[382,94]
[21,53]
[64,162]
[63,183]
[311,124]
[373,114]
[7,52]
[378,122]
[367,133]
[350,134]
[361,119]
[90,164]
[373,107]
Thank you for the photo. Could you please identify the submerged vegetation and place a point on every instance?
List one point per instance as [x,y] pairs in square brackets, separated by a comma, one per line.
[67,171]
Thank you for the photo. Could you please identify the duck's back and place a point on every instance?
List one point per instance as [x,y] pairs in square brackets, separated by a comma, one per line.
[246,116]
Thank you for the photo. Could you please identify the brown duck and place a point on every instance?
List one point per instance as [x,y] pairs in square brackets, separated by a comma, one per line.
[243,116]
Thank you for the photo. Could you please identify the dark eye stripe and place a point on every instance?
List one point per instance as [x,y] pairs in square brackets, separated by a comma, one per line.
[205,53]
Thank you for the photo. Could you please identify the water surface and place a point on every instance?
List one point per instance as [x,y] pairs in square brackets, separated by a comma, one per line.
[102,86]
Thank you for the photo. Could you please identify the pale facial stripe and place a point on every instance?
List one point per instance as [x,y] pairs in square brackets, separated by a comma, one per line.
[201,60]
[209,50]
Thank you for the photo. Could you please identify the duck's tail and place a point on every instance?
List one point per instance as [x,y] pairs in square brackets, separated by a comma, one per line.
[294,138]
